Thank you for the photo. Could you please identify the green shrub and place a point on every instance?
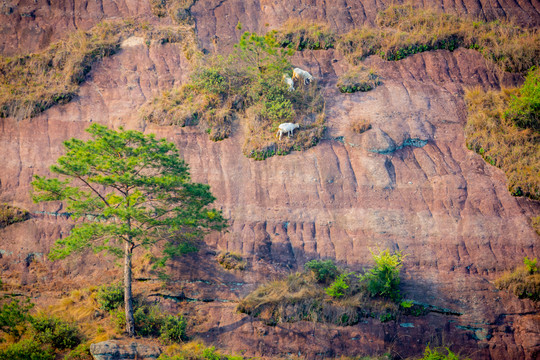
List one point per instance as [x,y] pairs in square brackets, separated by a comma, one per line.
[358,79]
[438,354]
[530,265]
[247,85]
[524,282]
[118,318]
[56,332]
[81,352]
[110,297]
[148,320]
[173,329]
[524,108]
[26,350]
[13,317]
[324,271]
[339,287]
[383,279]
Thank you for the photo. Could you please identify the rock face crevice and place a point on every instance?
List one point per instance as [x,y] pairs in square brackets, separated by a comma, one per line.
[424,194]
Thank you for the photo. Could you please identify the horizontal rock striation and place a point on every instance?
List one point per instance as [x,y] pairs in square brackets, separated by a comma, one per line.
[439,203]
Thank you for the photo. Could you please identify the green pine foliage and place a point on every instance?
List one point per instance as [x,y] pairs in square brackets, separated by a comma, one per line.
[54,331]
[110,297]
[173,329]
[133,191]
[27,349]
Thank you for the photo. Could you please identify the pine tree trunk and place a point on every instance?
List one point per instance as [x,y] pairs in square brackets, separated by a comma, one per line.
[128,298]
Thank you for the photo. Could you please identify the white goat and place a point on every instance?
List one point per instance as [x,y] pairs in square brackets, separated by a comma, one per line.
[286,128]
[302,74]
[287,79]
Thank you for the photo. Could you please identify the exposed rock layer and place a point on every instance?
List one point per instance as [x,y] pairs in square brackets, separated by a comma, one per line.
[409,183]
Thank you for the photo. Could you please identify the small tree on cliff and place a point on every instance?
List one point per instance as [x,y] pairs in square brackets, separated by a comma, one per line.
[127,190]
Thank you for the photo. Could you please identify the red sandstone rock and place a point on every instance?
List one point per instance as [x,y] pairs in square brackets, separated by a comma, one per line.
[441,203]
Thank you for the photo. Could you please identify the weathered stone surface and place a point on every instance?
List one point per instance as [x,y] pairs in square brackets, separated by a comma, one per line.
[440,203]
[111,350]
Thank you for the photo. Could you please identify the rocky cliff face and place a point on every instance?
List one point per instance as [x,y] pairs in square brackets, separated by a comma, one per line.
[409,183]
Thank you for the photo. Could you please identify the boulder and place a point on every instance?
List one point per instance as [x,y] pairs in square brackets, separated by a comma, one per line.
[112,350]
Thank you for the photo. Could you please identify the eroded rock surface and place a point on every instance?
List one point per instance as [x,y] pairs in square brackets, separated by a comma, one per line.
[409,183]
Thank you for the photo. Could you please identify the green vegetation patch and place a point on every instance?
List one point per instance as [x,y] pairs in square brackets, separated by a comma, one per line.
[524,282]
[30,84]
[494,131]
[246,88]
[195,351]
[440,354]
[11,215]
[37,337]
[359,78]
[324,293]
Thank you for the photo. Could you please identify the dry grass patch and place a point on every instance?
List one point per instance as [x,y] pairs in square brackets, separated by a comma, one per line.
[358,78]
[300,297]
[178,10]
[30,84]
[404,30]
[231,261]
[304,34]
[524,282]
[360,126]
[501,143]
[11,215]
[535,223]
[246,88]
[194,350]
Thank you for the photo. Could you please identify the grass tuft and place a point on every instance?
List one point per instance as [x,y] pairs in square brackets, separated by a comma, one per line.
[403,30]
[360,126]
[501,142]
[231,261]
[302,34]
[524,282]
[358,78]
[11,215]
[30,84]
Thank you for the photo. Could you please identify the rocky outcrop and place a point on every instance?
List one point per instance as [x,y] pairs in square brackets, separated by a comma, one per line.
[409,183]
[111,350]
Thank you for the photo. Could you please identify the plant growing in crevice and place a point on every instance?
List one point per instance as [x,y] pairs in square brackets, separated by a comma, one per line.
[324,293]
[231,261]
[11,215]
[524,282]
[493,132]
[247,88]
[359,78]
